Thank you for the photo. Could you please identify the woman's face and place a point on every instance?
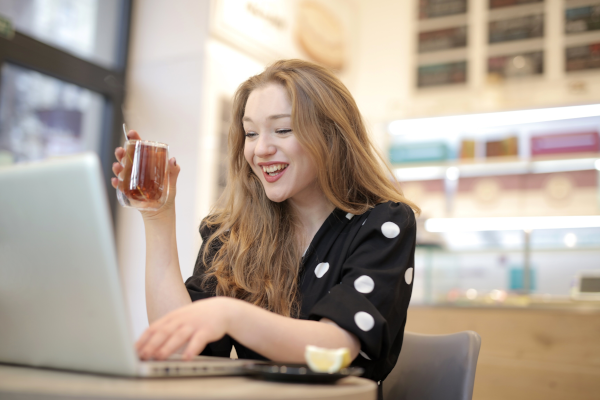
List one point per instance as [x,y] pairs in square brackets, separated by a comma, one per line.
[285,169]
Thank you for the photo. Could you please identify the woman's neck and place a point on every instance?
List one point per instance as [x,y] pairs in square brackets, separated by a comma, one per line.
[312,208]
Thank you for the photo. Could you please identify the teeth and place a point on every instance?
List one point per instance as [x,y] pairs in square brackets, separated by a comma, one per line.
[274,168]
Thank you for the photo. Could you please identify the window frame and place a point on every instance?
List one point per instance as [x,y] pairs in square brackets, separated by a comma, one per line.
[25,51]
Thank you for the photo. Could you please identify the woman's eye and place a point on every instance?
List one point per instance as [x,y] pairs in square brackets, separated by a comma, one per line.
[250,134]
[283,131]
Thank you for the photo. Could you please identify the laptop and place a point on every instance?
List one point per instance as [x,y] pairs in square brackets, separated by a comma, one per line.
[61,302]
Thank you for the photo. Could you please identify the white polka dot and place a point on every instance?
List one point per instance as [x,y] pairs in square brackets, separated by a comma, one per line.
[364,284]
[390,230]
[364,355]
[321,269]
[364,221]
[364,321]
[349,215]
[408,275]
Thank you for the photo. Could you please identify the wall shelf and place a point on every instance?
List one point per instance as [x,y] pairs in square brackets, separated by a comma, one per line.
[496,166]
[479,19]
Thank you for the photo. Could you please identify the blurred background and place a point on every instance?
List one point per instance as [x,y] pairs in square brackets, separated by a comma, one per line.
[488,112]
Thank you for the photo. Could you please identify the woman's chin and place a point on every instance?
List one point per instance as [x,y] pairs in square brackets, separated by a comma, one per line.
[277,197]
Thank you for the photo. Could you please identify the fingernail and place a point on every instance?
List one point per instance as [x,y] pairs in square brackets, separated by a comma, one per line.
[174,161]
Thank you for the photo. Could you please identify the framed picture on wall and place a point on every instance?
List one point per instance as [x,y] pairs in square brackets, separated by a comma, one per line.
[514,65]
[442,74]
[582,19]
[441,8]
[511,3]
[226,105]
[443,39]
[584,57]
[527,27]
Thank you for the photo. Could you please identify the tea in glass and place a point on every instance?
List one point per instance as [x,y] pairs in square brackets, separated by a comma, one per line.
[145,182]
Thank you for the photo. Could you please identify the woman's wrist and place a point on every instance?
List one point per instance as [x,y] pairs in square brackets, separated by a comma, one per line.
[230,308]
[163,217]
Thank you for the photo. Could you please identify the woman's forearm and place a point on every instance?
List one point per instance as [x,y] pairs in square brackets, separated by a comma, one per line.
[281,338]
[165,289]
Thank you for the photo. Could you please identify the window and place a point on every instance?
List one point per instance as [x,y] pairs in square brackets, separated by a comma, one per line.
[62,79]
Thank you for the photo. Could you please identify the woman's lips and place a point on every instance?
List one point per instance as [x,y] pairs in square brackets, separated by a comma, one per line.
[272,179]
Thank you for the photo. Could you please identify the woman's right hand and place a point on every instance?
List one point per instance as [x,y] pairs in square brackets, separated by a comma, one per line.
[173,171]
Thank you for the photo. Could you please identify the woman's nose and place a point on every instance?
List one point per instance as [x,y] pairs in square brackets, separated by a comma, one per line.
[264,146]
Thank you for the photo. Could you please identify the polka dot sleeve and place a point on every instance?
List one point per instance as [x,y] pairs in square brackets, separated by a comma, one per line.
[371,301]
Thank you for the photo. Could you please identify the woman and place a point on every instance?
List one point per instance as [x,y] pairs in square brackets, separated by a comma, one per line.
[311,242]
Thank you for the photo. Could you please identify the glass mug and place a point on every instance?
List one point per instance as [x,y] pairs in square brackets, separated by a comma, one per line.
[144,182]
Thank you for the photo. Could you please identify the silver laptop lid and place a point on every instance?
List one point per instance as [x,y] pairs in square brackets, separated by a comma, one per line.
[61,304]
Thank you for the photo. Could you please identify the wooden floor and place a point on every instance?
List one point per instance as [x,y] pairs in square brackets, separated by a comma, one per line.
[526,354]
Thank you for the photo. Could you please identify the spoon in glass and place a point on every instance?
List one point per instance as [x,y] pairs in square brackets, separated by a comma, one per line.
[125,132]
[131,161]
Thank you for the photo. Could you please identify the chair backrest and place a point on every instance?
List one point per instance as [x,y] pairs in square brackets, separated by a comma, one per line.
[434,367]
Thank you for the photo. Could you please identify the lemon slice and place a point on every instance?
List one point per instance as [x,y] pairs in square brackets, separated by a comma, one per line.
[327,360]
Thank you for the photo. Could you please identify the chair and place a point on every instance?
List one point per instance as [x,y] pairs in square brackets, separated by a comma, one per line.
[434,367]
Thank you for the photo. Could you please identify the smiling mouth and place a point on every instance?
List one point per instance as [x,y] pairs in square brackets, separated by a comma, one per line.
[275,169]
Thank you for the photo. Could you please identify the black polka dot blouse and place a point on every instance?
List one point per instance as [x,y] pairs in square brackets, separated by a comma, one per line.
[357,272]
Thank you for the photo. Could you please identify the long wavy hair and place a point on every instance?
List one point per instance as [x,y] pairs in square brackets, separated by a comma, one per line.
[260,256]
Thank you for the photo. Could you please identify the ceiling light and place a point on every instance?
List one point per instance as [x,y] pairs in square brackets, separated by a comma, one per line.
[471,122]
[452,173]
[570,240]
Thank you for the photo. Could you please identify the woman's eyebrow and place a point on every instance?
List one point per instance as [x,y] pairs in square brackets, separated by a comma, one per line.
[276,116]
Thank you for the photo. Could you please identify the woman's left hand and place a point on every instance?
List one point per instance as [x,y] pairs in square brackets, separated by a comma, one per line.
[196,324]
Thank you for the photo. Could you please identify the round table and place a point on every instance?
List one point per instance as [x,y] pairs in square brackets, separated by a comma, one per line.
[44,384]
